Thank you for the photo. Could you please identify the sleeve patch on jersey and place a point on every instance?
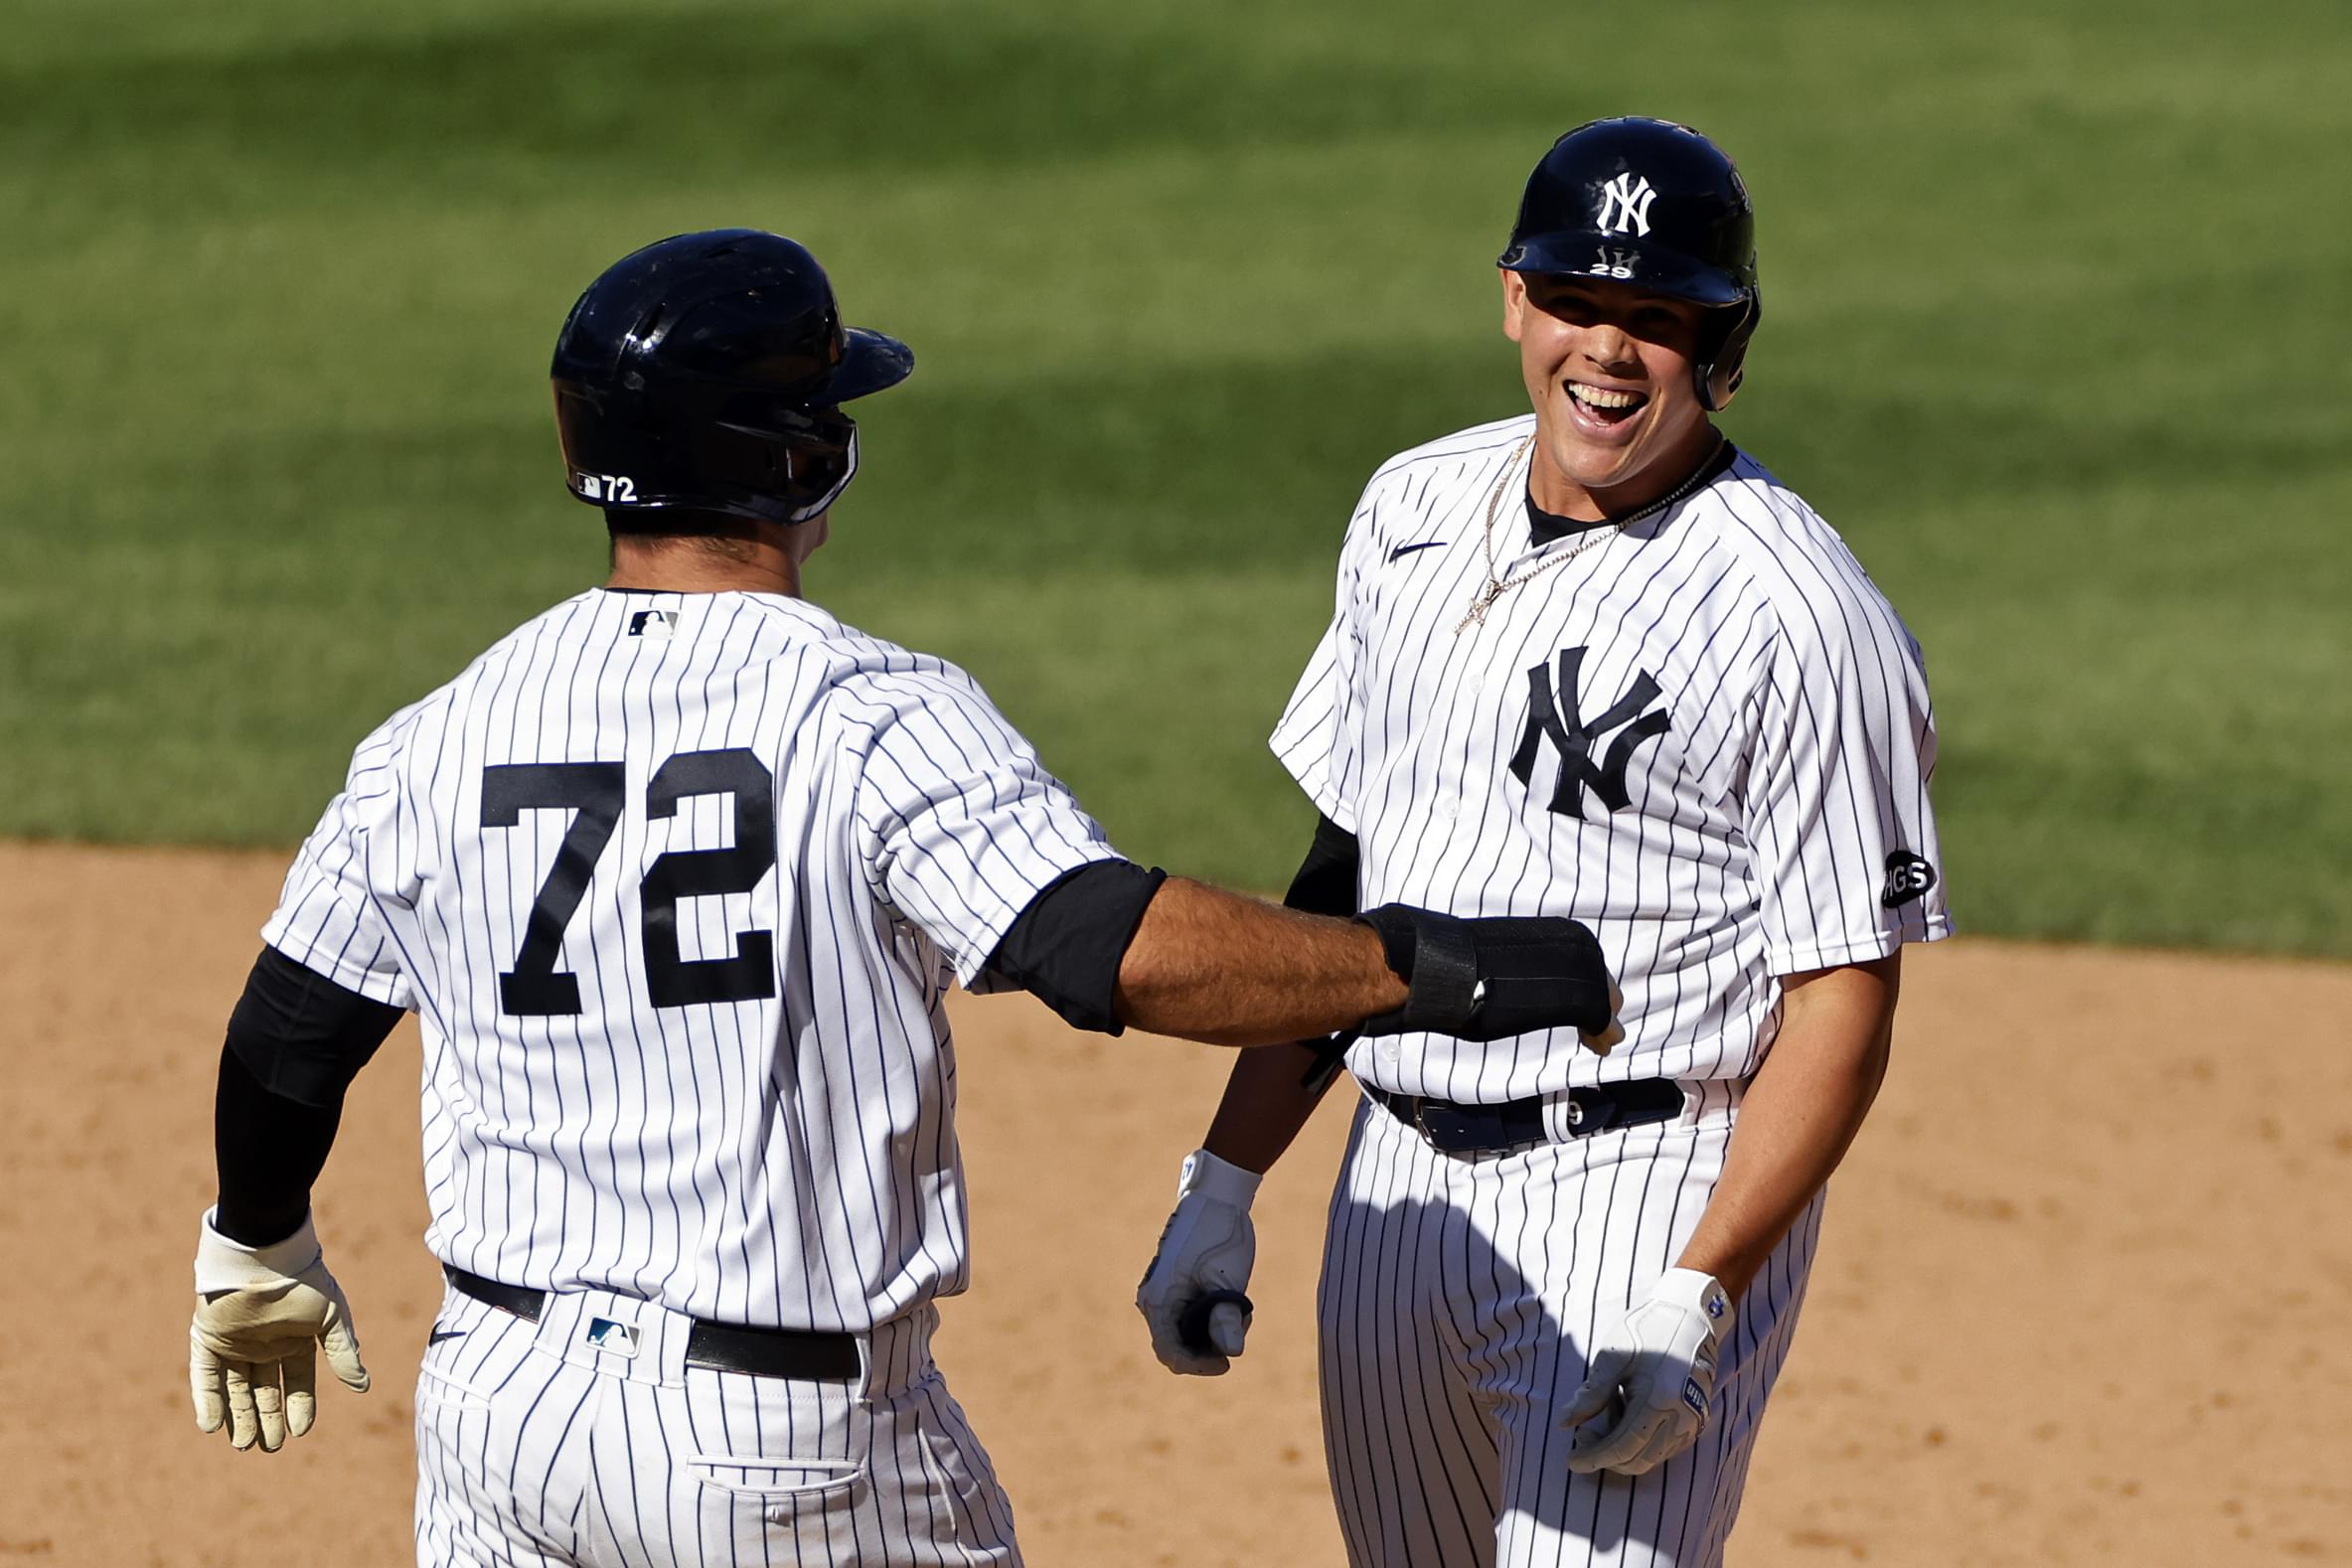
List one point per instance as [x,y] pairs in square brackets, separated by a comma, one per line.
[1908,876]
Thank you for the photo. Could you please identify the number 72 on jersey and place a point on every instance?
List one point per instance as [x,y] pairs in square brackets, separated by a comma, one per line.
[593,792]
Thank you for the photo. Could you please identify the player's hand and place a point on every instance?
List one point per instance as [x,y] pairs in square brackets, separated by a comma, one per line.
[1601,1042]
[1490,978]
[1207,1246]
[260,1314]
[1651,1378]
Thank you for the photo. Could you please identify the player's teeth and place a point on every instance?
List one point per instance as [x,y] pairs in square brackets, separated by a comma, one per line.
[1595,397]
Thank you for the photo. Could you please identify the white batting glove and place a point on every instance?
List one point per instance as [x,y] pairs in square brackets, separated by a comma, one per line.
[1651,1378]
[1208,1244]
[260,1313]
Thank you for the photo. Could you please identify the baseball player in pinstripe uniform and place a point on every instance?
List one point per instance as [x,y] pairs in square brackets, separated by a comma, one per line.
[676,875]
[1591,661]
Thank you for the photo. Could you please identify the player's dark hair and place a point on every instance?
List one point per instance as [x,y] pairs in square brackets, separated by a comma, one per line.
[716,534]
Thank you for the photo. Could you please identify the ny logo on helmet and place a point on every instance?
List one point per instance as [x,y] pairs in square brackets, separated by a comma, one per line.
[1624,205]
[1555,715]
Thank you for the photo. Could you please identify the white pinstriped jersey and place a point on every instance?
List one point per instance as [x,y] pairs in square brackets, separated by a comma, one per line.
[1707,736]
[676,883]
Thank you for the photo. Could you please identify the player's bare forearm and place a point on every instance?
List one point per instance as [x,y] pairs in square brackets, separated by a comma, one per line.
[1230,969]
[1266,1102]
[1800,1112]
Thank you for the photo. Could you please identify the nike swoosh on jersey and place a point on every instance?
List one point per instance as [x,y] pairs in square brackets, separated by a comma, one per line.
[445,1334]
[1407,549]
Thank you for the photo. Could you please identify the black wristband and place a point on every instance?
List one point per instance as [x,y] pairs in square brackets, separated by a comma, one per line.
[1491,976]
[1434,956]
[1398,940]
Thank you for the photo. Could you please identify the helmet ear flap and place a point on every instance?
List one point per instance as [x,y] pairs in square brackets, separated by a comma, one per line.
[1722,363]
[1718,383]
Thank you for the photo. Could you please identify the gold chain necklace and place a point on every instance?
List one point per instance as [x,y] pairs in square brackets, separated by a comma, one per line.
[1497,586]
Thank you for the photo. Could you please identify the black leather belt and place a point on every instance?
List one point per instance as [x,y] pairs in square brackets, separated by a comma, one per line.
[1453,1128]
[726,1348]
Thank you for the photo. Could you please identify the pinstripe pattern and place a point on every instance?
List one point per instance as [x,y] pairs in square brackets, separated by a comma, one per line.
[788,1160]
[1458,1298]
[1755,838]
[1786,755]
[537,1449]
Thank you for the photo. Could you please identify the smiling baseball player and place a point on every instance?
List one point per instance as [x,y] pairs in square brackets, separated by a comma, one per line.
[676,875]
[1592,661]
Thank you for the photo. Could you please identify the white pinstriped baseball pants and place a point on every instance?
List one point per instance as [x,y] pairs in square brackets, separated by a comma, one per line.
[537,1446]
[1458,1299]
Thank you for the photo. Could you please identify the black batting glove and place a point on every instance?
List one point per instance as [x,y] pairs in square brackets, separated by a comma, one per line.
[1494,977]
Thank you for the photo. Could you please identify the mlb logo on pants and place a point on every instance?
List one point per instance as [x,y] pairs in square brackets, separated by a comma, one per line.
[618,1338]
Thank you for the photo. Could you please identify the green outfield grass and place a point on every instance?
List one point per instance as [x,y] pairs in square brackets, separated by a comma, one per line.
[2058,299]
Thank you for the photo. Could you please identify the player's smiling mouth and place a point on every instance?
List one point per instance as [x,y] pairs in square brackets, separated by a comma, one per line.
[1604,411]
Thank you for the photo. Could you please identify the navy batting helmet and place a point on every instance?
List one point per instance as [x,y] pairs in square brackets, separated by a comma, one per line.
[1658,206]
[706,372]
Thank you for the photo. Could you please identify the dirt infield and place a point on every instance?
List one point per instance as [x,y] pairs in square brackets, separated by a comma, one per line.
[2079,1300]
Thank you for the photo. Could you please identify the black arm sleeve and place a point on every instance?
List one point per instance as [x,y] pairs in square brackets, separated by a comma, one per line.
[1326,884]
[300,1035]
[295,1042]
[269,1151]
[1066,947]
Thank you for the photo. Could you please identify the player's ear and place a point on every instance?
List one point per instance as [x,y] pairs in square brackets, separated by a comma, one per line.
[1514,302]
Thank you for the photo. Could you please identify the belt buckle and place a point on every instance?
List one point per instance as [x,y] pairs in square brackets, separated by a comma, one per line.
[1453,1125]
[1421,1125]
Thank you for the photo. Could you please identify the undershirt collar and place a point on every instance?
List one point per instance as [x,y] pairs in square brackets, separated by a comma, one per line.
[1545,527]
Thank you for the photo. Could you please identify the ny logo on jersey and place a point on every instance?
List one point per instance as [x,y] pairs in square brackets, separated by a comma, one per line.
[1555,713]
[1624,205]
